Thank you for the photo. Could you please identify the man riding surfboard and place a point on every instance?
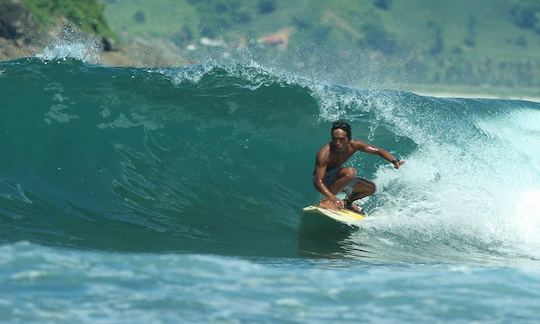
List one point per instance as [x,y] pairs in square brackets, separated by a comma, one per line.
[330,178]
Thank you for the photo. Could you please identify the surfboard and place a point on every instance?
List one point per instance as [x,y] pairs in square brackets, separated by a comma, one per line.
[343,216]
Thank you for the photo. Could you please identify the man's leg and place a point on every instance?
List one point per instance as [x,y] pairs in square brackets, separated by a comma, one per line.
[343,178]
[363,188]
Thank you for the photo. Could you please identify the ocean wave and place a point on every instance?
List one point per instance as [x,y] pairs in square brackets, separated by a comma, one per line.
[218,159]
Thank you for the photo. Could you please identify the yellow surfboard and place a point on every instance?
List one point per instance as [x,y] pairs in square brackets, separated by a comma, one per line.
[344,216]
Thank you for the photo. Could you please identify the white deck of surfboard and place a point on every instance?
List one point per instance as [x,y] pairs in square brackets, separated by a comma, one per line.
[343,216]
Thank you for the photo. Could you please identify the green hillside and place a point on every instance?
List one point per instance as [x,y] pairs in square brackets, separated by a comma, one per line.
[86,14]
[483,43]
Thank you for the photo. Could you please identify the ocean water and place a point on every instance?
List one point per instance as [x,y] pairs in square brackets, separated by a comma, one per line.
[175,195]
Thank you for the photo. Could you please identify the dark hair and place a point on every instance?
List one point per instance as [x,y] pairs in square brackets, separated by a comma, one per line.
[343,126]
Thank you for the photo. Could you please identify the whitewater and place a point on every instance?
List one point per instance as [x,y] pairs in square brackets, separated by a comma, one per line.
[167,194]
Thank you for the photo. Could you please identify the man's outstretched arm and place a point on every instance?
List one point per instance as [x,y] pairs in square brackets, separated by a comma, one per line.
[364,147]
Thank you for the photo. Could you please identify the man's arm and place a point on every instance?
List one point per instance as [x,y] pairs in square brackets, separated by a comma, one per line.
[320,172]
[364,147]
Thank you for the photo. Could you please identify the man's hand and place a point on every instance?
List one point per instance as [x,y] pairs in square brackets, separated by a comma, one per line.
[338,203]
[397,163]
[332,203]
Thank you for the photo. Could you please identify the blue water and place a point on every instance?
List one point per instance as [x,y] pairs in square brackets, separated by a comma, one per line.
[54,284]
[170,195]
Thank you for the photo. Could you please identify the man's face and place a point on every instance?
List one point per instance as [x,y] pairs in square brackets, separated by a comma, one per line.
[340,141]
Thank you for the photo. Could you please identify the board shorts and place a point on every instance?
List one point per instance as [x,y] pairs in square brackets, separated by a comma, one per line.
[331,176]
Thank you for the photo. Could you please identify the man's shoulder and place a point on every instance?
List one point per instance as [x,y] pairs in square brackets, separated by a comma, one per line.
[357,144]
[325,147]
[324,151]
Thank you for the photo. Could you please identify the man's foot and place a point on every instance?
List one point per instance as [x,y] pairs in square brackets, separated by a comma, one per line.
[351,206]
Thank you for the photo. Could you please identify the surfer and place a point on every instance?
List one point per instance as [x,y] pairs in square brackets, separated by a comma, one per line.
[330,178]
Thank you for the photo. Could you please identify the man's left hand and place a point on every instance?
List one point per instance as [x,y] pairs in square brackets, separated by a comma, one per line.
[398,163]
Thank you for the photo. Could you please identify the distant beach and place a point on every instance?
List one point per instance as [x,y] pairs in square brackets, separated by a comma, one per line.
[442,94]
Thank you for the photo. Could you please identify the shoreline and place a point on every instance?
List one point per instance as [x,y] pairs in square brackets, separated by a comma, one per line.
[452,94]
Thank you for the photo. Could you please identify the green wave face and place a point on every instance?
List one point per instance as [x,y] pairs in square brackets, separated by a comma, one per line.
[218,159]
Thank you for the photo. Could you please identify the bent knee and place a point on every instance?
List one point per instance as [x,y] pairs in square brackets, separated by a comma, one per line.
[367,185]
[371,186]
[348,172]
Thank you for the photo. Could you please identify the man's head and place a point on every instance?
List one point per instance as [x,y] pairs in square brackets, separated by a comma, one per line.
[341,135]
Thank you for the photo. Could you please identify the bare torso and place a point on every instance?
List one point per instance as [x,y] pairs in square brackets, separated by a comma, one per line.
[335,159]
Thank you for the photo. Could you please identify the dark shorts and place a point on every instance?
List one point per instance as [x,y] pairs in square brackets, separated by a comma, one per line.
[332,175]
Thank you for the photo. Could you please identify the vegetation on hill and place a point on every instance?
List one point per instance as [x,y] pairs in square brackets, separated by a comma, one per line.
[86,14]
[483,43]
[491,43]
[31,20]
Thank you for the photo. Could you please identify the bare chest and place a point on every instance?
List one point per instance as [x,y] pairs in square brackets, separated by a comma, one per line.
[336,160]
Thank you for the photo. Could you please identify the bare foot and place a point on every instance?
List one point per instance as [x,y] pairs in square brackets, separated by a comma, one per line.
[354,208]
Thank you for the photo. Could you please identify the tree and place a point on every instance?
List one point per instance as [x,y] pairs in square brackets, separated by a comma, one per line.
[382,4]
[470,39]
[438,43]
[266,6]
[524,16]
[139,17]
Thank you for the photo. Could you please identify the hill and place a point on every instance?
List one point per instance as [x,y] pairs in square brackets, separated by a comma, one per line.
[487,44]
[33,21]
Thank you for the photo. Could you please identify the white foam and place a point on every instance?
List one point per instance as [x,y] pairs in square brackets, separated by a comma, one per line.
[88,53]
[482,191]
[526,221]
[473,180]
[71,43]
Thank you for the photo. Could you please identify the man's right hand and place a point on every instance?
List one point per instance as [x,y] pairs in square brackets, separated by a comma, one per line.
[332,203]
[338,203]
